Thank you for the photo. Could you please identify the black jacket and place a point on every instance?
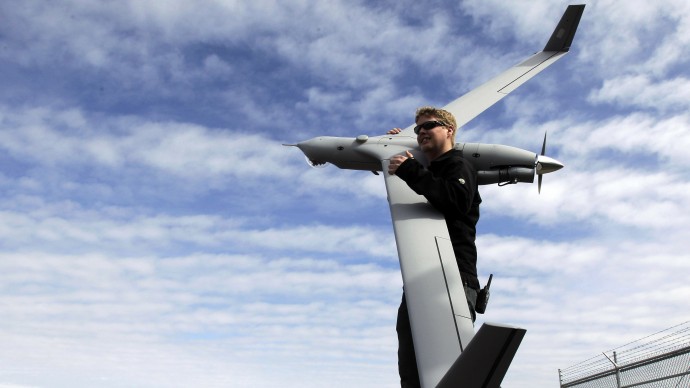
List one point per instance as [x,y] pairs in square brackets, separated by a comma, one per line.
[450,185]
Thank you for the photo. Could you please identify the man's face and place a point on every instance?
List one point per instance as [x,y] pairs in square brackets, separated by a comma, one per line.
[433,139]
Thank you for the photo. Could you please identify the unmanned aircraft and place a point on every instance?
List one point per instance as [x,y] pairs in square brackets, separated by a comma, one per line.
[449,354]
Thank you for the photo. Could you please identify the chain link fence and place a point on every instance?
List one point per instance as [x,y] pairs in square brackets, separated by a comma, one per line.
[661,360]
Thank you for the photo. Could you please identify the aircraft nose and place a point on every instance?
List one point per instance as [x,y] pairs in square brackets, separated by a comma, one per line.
[546,164]
[315,150]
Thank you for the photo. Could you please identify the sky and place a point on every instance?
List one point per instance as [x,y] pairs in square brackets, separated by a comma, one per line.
[155,232]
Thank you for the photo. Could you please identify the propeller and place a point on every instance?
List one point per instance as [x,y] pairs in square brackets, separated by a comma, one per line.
[543,152]
[545,164]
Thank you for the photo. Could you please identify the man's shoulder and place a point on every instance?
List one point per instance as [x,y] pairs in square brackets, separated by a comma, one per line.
[455,157]
[449,155]
[456,154]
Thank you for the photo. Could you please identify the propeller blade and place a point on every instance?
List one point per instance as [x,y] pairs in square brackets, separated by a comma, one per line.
[543,152]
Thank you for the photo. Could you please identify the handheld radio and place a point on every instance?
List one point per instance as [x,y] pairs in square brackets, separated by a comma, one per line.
[483,297]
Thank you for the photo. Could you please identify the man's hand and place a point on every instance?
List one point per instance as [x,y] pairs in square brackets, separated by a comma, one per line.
[397,160]
[394,131]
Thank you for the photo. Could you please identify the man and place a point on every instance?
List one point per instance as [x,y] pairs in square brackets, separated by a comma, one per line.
[449,183]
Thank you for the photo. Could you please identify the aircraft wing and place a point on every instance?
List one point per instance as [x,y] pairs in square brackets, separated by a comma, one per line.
[442,327]
[478,100]
[439,316]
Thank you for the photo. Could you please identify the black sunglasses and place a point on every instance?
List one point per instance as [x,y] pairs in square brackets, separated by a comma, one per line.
[428,125]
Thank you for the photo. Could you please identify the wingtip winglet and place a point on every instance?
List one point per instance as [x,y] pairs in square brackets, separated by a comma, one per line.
[563,35]
[486,359]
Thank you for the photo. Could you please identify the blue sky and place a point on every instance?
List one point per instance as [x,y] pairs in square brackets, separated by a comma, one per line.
[155,232]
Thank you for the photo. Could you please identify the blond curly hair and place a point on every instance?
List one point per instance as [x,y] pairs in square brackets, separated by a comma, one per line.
[442,115]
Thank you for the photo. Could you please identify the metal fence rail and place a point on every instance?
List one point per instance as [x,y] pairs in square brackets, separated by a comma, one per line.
[661,360]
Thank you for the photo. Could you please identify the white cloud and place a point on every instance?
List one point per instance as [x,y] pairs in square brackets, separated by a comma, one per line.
[85,230]
[603,201]
[191,318]
[642,92]
[153,49]
[630,49]
[67,137]
[192,156]
[501,20]
[636,135]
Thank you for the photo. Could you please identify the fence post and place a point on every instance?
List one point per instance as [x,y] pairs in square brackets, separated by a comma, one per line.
[616,367]
[618,370]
